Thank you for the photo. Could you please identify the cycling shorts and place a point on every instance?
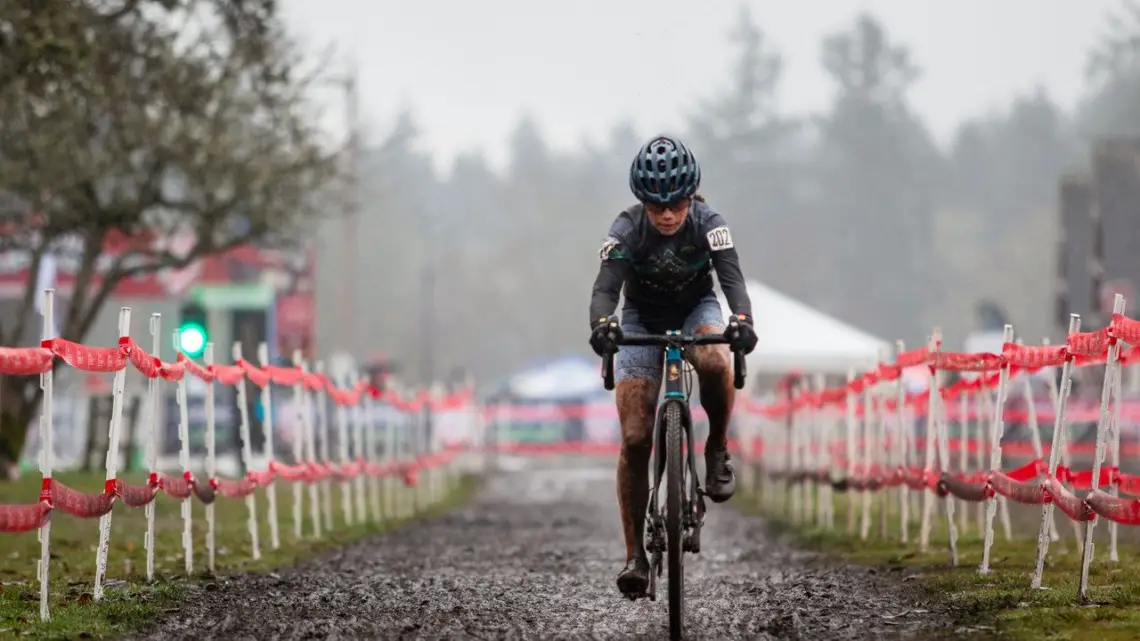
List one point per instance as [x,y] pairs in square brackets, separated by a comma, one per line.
[645,361]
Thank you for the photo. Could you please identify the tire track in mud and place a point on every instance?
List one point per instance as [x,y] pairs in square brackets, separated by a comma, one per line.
[535,556]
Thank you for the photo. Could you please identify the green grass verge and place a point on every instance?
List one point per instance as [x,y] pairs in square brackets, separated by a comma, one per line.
[130,601]
[1000,603]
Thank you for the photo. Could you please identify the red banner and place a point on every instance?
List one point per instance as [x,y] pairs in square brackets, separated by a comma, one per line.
[241,264]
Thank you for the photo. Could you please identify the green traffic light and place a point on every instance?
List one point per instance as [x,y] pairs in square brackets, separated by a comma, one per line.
[192,340]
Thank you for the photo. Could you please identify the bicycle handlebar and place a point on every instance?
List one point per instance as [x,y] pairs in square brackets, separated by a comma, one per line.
[665,341]
[655,340]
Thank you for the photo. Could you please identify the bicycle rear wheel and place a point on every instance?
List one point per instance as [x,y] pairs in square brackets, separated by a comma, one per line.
[674,519]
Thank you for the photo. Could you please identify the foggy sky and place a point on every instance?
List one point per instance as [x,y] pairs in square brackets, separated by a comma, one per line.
[470,69]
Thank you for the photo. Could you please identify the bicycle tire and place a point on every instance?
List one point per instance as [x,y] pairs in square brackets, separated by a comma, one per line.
[674,519]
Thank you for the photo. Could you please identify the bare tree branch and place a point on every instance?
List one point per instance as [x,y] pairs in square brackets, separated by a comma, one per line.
[146,120]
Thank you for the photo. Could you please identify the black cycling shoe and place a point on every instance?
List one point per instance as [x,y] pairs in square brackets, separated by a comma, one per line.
[720,479]
[633,580]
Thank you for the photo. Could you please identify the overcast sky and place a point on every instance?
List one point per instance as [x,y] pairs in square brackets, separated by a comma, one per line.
[470,69]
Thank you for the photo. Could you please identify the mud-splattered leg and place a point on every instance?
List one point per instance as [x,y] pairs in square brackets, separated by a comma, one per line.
[635,402]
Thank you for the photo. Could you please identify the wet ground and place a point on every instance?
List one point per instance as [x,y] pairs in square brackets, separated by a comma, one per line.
[535,557]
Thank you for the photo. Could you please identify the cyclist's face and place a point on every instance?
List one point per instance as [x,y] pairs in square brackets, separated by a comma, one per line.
[667,219]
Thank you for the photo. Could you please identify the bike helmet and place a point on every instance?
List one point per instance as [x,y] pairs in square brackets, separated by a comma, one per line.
[664,171]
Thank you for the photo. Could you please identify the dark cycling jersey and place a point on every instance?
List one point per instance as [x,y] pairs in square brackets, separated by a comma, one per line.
[666,276]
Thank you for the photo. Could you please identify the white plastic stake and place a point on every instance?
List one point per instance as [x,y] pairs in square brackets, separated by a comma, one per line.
[914,505]
[321,399]
[247,454]
[978,434]
[1111,369]
[829,428]
[371,456]
[270,456]
[964,454]
[1113,553]
[884,456]
[997,427]
[821,456]
[47,455]
[901,447]
[851,450]
[1054,455]
[300,437]
[345,461]
[155,398]
[941,426]
[430,482]
[358,449]
[418,449]
[882,449]
[1055,397]
[808,421]
[798,496]
[389,505]
[311,448]
[987,402]
[184,461]
[112,458]
[407,495]
[211,461]
[868,461]
[1035,434]
[935,397]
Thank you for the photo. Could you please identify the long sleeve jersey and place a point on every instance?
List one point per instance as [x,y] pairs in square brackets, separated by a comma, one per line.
[666,276]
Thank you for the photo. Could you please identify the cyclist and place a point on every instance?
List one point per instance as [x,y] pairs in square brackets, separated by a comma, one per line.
[663,250]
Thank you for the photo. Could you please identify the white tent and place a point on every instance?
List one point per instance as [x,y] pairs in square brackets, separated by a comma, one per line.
[796,337]
[564,378]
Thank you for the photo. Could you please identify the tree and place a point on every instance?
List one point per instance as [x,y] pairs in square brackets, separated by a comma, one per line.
[752,155]
[1006,166]
[1113,75]
[878,180]
[133,122]
[404,238]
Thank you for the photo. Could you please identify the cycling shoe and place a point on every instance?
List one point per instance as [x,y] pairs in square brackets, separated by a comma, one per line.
[633,580]
[720,478]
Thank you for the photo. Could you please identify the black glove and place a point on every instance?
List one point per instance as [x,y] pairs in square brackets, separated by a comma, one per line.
[740,333]
[604,334]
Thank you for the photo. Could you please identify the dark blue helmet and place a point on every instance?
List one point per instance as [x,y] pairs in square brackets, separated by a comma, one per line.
[664,171]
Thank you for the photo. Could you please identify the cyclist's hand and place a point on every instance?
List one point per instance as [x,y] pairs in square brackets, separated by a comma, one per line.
[740,333]
[604,334]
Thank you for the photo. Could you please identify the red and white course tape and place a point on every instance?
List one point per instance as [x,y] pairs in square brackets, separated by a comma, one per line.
[793,441]
[357,457]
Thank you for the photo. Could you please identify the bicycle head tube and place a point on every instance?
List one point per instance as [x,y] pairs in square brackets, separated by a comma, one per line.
[674,369]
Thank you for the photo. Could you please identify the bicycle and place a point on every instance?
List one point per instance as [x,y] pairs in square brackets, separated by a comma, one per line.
[679,531]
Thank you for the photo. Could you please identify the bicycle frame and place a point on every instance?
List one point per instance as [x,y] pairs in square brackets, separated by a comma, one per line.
[692,499]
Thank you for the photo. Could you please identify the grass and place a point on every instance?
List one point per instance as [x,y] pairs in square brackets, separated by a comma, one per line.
[130,601]
[1000,602]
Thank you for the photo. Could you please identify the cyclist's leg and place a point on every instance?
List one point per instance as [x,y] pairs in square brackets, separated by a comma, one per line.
[637,381]
[713,364]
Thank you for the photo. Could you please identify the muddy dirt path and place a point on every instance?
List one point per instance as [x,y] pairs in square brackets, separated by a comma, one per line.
[535,557]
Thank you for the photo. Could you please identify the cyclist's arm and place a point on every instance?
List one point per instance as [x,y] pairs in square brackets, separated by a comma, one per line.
[611,276]
[726,262]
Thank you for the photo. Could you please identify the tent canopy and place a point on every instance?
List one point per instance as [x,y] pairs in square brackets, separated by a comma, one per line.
[563,378]
[796,337]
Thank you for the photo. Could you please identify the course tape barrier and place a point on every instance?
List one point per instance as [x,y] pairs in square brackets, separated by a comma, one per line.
[388,477]
[872,435]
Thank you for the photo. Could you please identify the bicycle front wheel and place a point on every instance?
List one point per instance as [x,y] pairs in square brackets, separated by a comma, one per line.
[674,519]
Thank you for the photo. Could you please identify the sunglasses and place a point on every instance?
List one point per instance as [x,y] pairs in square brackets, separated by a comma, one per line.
[674,205]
